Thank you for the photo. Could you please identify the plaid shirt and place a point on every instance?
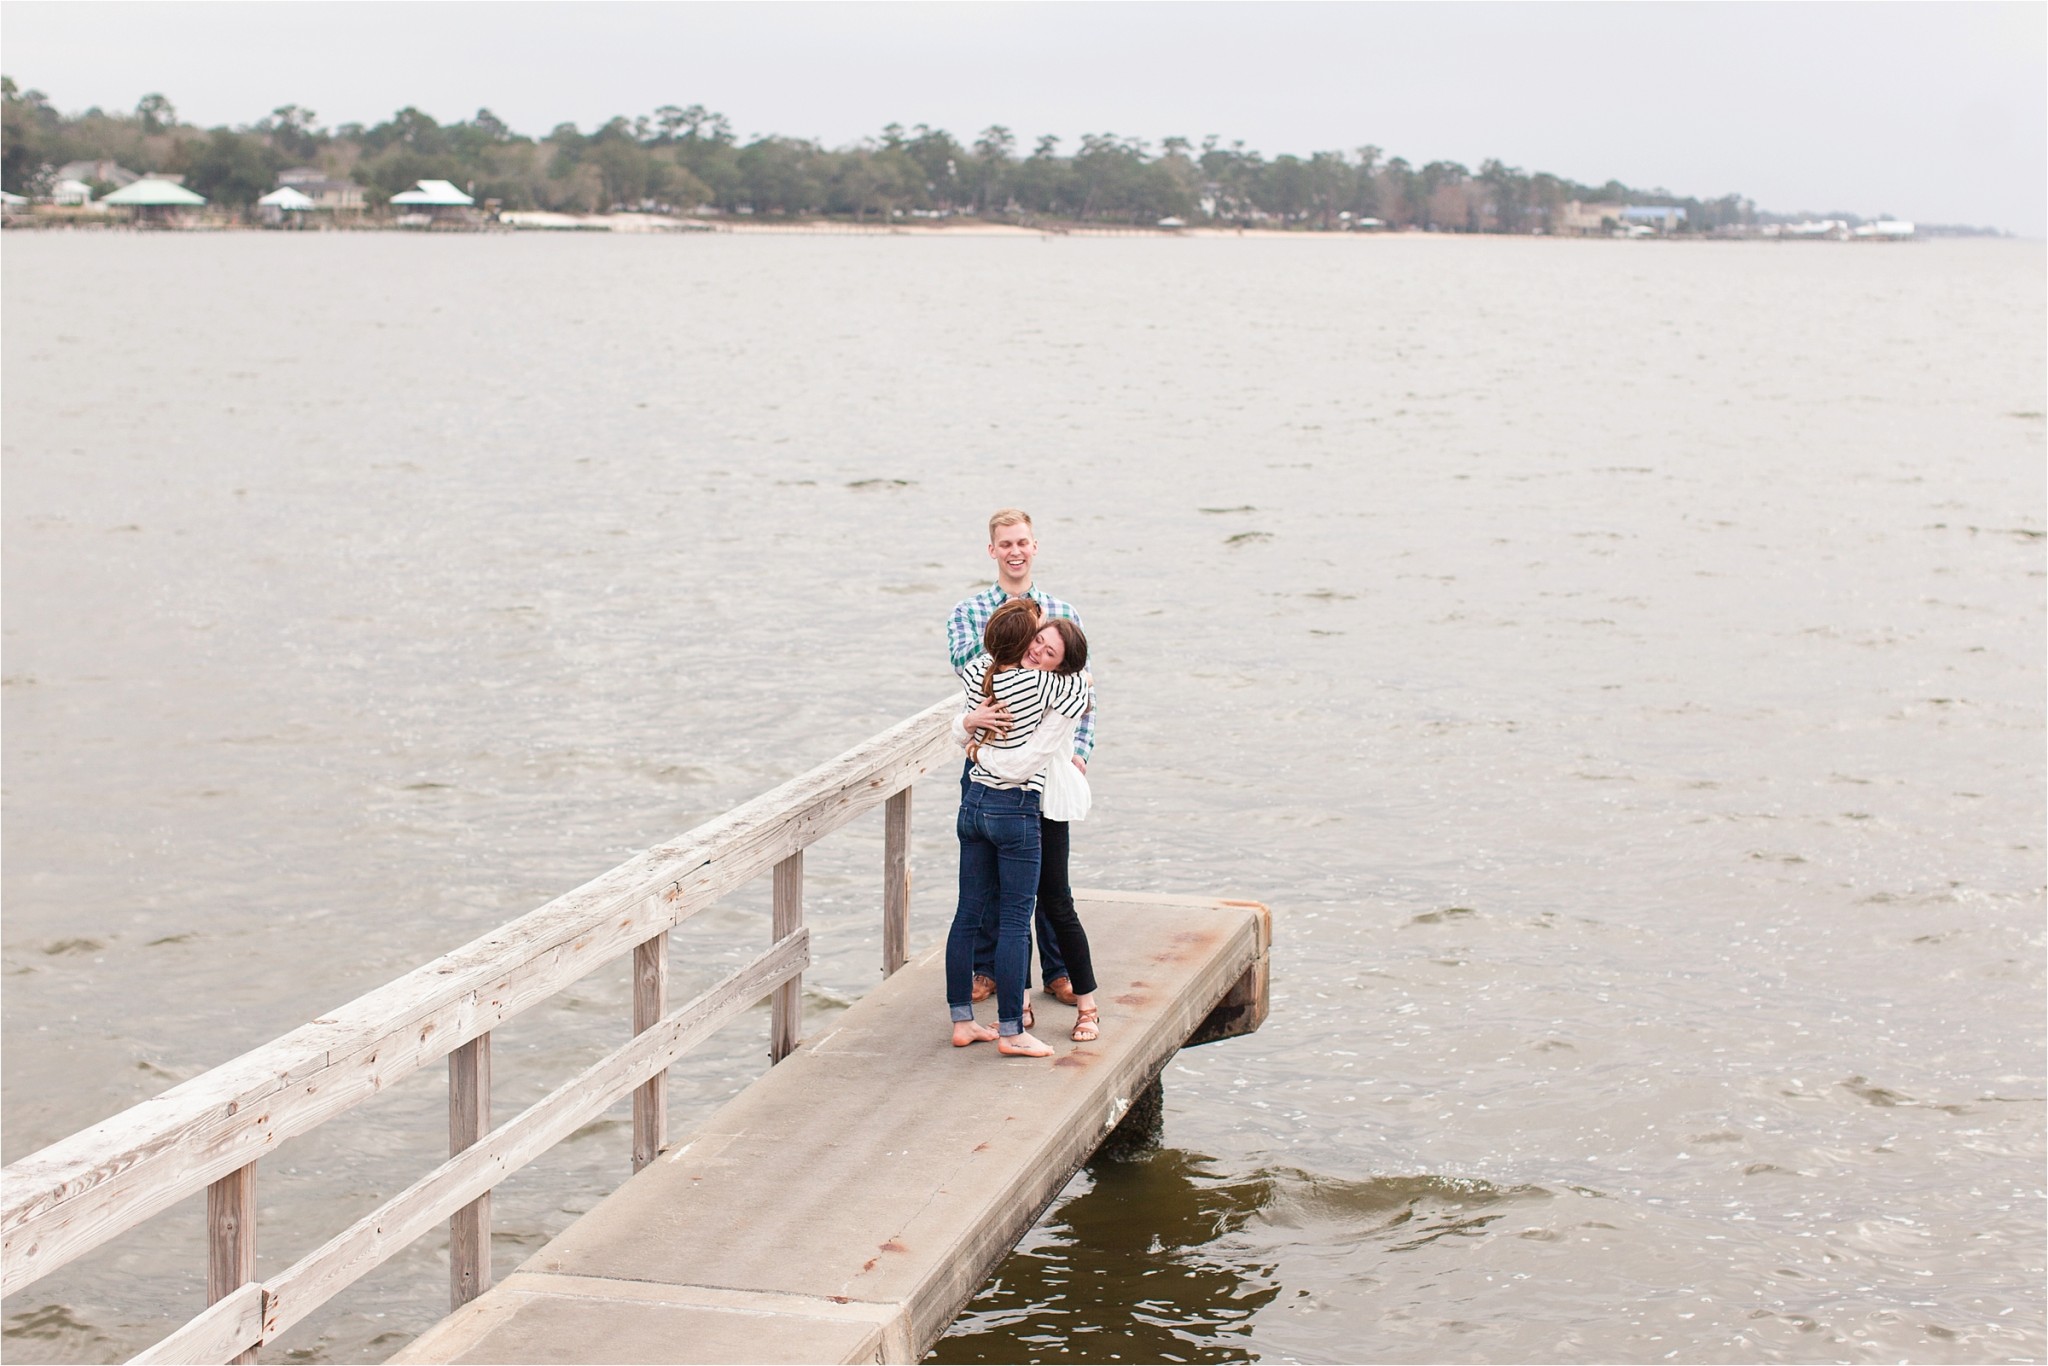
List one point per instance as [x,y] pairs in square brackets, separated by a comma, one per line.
[970,619]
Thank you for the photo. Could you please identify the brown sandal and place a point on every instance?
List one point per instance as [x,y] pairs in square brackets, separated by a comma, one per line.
[1085,1025]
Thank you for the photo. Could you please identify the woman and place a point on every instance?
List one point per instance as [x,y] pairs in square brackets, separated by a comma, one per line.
[1059,648]
[998,828]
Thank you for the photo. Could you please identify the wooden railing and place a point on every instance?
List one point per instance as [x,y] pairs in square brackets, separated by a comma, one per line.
[210,1132]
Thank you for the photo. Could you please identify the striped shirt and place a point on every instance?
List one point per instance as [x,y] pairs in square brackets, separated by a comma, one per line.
[1029,694]
[970,619]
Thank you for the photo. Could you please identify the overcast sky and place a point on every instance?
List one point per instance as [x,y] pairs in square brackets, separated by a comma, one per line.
[1937,112]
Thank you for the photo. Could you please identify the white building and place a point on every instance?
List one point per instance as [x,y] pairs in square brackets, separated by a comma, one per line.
[433,194]
[106,172]
[1662,217]
[328,194]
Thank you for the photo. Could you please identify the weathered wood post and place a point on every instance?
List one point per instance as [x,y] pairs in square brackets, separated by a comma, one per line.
[231,1237]
[896,882]
[469,1118]
[650,1003]
[786,1013]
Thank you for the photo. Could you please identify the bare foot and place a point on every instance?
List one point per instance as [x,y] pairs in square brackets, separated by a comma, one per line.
[1021,1046]
[966,1032]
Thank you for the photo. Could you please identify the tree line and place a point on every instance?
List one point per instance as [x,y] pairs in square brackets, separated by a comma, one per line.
[685,158]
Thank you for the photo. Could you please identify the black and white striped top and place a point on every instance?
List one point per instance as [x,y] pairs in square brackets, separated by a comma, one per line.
[1029,694]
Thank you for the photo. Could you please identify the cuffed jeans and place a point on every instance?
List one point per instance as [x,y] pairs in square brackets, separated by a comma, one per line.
[998,829]
[1052,888]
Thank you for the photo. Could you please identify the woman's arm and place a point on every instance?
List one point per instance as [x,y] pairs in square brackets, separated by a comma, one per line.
[970,675]
[1068,694]
[1051,742]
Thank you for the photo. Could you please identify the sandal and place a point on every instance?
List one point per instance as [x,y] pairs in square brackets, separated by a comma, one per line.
[1085,1025]
[1029,1018]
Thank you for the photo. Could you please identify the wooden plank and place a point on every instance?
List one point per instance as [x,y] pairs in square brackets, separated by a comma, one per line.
[650,1002]
[231,1238]
[896,882]
[786,1014]
[226,1328]
[82,1190]
[469,1117]
[366,1244]
[220,1334]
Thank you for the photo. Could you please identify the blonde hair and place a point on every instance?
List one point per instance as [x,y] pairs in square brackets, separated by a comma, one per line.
[1003,517]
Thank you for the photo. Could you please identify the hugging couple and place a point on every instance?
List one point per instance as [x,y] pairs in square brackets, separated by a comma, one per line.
[1028,725]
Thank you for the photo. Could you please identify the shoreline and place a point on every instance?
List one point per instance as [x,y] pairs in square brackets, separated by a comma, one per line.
[536,222]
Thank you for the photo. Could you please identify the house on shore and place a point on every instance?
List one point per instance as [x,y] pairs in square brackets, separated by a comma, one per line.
[284,206]
[329,195]
[434,202]
[157,201]
[109,173]
[67,193]
[1659,218]
[1580,219]
[1605,219]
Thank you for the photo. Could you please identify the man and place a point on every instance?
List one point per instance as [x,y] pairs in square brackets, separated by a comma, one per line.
[1012,545]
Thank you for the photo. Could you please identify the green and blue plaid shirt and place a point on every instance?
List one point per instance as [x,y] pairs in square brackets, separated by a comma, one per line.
[970,619]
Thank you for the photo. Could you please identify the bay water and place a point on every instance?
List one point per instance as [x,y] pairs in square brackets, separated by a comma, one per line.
[1619,665]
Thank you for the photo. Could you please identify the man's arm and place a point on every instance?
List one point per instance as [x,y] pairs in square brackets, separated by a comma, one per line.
[963,633]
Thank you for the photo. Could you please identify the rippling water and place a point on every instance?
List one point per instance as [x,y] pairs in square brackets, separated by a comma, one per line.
[1620,665]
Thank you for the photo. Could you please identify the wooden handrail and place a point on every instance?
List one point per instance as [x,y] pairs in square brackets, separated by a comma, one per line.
[60,1202]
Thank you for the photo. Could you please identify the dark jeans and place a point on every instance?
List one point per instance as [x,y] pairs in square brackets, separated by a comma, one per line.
[998,829]
[1052,886]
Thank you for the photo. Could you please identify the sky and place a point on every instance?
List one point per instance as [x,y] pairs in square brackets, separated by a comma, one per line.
[1936,112]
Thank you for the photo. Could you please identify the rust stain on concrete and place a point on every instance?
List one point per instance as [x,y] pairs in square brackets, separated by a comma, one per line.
[894,1245]
[1185,944]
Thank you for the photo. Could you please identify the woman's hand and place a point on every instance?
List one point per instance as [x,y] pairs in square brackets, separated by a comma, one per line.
[991,716]
[1081,764]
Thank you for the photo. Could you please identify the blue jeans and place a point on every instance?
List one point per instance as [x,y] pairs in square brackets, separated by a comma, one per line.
[1052,889]
[998,830]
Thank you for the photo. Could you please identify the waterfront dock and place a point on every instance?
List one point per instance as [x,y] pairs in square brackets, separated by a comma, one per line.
[850,1202]
[842,1207]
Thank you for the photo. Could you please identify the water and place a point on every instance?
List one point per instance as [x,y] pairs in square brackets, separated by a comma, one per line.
[1620,666]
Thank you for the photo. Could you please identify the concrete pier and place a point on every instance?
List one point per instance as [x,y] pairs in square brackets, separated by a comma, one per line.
[848,1204]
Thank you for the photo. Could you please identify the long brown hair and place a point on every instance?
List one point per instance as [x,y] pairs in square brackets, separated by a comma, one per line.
[1007,637]
[1076,657]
